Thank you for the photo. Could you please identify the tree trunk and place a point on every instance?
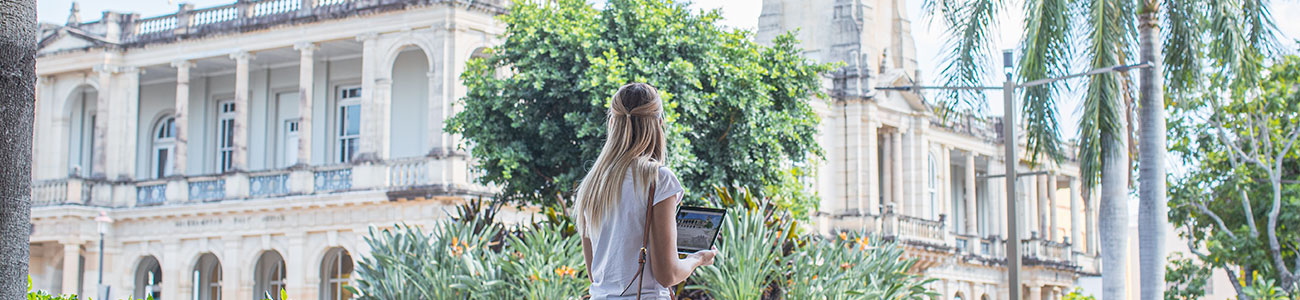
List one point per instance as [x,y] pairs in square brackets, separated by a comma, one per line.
[17,99]
[1153,212]
[1113,212]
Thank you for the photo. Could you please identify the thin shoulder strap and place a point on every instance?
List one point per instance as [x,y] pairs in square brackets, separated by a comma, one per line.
[645,239]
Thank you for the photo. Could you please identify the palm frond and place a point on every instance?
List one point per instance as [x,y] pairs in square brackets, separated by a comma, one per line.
[1111,32]
[1046,54]
[1183,46]
[971,26]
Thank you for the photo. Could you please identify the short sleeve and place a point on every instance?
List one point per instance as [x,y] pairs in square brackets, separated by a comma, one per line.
[667,186]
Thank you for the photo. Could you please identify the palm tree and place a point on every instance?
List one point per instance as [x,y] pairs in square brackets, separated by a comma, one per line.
[17,100]
[1238,32]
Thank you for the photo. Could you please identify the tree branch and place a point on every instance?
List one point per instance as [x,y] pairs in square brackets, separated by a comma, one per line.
[1201,206]
[1205,258]
[1235,160]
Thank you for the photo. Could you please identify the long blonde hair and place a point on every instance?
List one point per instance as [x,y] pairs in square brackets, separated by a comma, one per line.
[635,140]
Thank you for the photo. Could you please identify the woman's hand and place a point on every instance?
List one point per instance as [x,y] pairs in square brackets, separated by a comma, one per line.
[704,257]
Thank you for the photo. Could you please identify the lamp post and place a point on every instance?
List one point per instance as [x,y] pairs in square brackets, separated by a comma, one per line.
[1008,88]
[103,221]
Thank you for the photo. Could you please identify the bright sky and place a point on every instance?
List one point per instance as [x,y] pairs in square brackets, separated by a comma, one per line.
[929,36]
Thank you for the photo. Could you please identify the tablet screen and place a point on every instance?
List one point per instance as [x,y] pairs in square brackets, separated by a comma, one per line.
[697,228]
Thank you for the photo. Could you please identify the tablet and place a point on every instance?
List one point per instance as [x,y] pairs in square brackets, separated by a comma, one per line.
[697,228]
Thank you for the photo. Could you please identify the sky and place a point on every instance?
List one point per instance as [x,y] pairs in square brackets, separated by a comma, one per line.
[929,36]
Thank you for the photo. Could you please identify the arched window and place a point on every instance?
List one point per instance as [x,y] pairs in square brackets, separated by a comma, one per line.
[164,147]
[207,278]
[148,279]
[336,271]
[269,279]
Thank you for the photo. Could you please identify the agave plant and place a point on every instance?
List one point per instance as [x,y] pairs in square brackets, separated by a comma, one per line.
[455,261]
[544,261]
[852,266]
[751,256]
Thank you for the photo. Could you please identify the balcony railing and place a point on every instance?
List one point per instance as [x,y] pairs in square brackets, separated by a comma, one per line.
[151,194]
[414,175]
[268,185]
[208,190]
[1045,252]
[333,180]
[243,15]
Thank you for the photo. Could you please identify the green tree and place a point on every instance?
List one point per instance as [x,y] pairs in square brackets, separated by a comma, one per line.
[1239,206]
[534,116]
[1232,34]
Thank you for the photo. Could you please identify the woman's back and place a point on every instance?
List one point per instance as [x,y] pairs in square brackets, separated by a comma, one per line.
[616,246]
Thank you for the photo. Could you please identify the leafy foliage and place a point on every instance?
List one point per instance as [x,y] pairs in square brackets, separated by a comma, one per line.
[453,262]
[535,111]
[1234,202]
[853,267]
[545,261]
[1186,277]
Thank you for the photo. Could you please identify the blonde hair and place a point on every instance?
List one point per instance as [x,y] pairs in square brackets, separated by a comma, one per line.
[635,141]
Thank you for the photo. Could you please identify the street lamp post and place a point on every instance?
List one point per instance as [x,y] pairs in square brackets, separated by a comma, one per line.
[103,221]
[1008,88]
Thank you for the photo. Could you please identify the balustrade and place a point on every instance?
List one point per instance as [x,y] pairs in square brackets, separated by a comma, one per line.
[333,180]
[409,172]
[151,194]
[268,185]
[208,190]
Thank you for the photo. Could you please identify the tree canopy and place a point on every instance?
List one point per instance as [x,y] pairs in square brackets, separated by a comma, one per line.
[1238,205]
[534,118]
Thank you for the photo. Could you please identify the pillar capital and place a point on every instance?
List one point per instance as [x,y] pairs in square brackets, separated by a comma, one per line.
[182,64]
[306,47]
[368,36]
[242,55]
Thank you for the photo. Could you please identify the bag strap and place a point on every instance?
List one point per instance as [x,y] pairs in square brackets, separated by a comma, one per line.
[645,239]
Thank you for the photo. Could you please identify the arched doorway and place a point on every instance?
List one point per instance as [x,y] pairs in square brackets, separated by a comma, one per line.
[82,105]
[336,271]
[148,278]
[207,278]
[269,276]
[409,114]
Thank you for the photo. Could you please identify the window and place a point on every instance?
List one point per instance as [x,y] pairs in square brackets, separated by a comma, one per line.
[225,135]
[270,276]
[349,125]
[290,143]
[336,271]
[207,278]
[164,147]
[148,279]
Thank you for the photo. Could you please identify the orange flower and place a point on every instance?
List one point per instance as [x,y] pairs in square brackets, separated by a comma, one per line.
[843,236]
[845,266]
[862,243]
[814,277]
[565,271]
[532,277]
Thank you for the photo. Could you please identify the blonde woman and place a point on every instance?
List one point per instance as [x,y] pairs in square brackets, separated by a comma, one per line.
[611,207]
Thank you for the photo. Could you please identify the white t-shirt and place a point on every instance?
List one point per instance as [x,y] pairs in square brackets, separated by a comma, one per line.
[615,249]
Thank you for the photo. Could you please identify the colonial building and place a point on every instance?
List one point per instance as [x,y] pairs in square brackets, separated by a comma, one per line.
[247,147]
[894,168]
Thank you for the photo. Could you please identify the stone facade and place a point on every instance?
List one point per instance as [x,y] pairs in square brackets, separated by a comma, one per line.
[246,147]
[895,169]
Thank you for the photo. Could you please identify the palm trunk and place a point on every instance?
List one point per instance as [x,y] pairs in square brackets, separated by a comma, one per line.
[1113,213]
[17,99]
[1153,212]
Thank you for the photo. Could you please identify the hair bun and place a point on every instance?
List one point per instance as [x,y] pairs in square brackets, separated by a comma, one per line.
[636,100]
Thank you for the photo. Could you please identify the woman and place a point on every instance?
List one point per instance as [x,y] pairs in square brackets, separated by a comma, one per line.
[612,202]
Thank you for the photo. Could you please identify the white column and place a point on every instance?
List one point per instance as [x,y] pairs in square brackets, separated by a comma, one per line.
[124,123]
[242,107]
[306,80]
[856,198]
[896,140]
[71,264]
[1035,292]
[873,167]
[945,184]
[1091,215]
[439,111]
[370,144]
[98,159]
[182,116]
[297,286]
[1076,216]
[1039,205]
[233,285]
[887,169]
[972,212]
[1052,232]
